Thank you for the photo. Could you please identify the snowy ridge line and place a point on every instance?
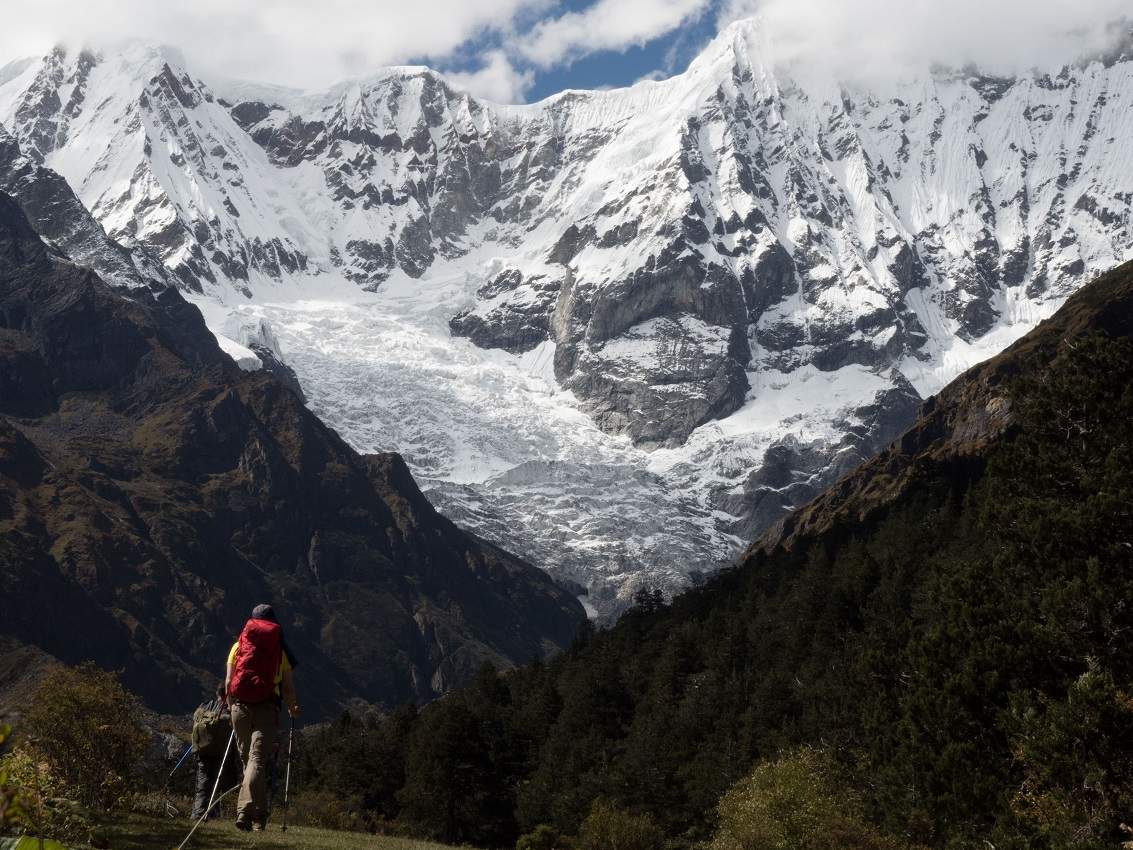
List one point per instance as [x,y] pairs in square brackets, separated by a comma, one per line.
[730,286]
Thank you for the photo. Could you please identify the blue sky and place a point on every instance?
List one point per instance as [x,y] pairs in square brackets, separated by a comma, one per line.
[661,56]
[504,50]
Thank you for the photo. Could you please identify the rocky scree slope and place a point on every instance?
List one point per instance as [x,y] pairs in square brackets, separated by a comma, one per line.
[151,492]
[685,252]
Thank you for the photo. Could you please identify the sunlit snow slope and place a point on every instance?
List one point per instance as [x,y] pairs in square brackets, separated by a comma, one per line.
[618,331]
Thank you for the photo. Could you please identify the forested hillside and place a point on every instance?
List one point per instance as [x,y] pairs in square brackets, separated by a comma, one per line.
[949,625]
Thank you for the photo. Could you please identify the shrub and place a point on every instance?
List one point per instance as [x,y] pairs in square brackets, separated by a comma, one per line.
[14,805]
[608,828]
[325,809]
[795,803]
[39,795]
[85,726]
[1077,762]
[543,837]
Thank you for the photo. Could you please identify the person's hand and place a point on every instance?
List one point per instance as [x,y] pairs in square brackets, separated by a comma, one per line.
[293,710]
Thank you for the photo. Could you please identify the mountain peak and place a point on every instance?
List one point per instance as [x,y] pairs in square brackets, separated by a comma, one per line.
[743,45]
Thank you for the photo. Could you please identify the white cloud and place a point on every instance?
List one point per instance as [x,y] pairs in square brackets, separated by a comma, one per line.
[311,43]
[877,40]
[606,25]
[654,76]
[498,80]
[305,43]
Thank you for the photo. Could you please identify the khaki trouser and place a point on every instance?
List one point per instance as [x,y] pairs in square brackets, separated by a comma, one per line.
[255,727]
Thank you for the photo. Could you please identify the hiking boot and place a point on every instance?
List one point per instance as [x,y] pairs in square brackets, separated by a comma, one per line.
[243,824]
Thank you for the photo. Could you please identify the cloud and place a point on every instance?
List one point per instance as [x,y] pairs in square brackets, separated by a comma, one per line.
[291,42]
[605,25]
[500,47]
[497,80]
[877,40]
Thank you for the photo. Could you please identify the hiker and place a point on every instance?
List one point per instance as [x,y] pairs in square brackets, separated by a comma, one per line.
[257,679]
[212,727]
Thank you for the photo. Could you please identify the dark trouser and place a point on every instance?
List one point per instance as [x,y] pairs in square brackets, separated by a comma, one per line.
[207,769]
[256,727]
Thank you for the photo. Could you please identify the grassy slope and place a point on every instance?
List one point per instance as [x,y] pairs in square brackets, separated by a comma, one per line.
[143,833]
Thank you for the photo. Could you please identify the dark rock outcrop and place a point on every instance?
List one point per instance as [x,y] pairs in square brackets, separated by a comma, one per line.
[275,366]
[658,354]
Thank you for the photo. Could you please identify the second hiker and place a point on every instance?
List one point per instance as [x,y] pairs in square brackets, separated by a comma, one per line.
[211,729]
[258,677]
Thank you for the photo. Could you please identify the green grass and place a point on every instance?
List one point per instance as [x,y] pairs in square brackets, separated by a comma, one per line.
[147,833]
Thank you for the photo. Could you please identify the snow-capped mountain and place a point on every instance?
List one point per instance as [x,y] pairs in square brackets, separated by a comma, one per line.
[616,331]
[61,218]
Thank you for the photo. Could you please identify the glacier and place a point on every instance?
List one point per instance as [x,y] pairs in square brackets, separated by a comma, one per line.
[617,332]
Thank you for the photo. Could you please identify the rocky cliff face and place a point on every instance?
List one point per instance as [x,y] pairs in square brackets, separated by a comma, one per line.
[754,280]
[157,161]
[60,217]
[152,491]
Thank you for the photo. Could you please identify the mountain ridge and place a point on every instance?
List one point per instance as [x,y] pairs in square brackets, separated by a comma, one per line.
[153,491]
[753,281]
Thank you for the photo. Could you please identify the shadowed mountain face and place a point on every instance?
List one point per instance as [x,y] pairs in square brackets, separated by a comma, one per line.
[151,492]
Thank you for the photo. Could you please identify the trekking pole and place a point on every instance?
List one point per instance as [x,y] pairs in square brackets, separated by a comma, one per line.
[204,817]
[220,772]
[287,774]
[180,761]
[212,797]
[170,808]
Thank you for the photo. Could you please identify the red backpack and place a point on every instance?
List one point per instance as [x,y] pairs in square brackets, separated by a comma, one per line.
[258,657]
